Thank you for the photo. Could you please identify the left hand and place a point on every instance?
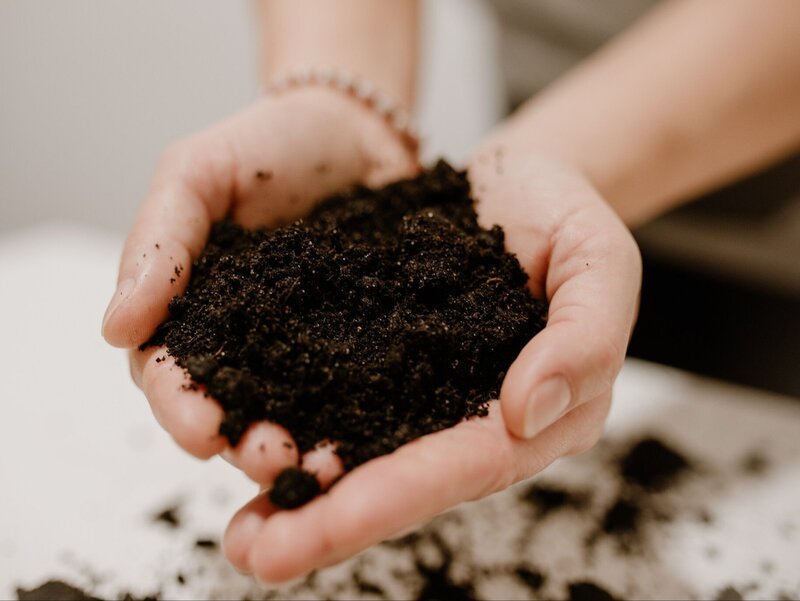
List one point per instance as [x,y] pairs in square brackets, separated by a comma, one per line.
[553,402]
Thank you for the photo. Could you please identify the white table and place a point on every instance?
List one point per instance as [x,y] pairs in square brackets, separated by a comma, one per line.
[83,467]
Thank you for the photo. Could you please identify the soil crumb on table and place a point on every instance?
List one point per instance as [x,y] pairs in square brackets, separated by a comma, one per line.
[531,578]
[54,590]
[622,518]
[545,499]
[652,465]
[57,590]
[209,544]
[382,316]
[169,516]
[588,591]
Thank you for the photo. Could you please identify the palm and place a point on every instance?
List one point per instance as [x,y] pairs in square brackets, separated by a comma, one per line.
[478,456]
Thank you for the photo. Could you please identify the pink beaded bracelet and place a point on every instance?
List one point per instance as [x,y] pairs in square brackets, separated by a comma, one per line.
[362,90]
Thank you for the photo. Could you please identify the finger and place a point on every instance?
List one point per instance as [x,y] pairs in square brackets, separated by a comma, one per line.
[191,417]
[592,282]
[243,529]
[265,449]
[245,525]
[385,496]
[324,463]
[192,187]
[395,492]
[594,414]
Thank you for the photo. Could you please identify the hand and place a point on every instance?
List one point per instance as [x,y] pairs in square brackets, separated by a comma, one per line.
[265,166]
[553,402]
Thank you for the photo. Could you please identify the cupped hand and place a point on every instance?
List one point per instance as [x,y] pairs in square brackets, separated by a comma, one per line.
[553,402]
[263,167]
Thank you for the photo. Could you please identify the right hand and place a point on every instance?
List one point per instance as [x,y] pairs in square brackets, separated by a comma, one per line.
[266,166]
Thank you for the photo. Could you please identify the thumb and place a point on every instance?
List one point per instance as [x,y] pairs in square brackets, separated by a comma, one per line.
[593,283]
[191,189]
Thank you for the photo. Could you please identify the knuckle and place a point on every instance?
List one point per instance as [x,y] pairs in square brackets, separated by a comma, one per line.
[184,158]
[608,357]
[587,442]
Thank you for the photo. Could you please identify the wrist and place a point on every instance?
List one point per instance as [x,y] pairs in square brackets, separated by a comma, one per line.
[613,172]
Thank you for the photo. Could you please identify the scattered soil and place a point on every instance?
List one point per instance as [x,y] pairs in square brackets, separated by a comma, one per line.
[206,543]
[169,516]
[588,591]
[367,587]
[546,499]
[293,487]
[437,585]
[729,593]
[531,578]
[383,316]
[652,465]
[54,590]
[755,464]
[622,518]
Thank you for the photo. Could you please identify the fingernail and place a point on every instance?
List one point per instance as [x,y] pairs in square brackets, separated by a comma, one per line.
[123,291]
[546,404]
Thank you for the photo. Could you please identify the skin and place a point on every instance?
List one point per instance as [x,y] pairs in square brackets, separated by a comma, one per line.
[561,176]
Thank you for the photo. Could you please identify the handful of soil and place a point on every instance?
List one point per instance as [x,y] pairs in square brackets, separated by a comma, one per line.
[382,316]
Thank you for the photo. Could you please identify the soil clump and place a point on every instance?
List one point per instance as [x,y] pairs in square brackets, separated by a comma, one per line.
[382,316]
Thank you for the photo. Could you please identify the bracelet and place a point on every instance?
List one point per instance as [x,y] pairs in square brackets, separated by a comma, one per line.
[362,90]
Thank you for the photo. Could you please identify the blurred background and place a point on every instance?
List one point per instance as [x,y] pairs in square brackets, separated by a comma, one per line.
[92,90]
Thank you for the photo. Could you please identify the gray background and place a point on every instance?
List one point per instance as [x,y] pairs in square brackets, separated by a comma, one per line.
[92,90]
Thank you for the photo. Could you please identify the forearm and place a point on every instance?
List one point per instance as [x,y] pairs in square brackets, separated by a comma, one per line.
[373,40]
[695,95]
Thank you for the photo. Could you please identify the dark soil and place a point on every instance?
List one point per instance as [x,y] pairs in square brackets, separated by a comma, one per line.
[169,516]
[652,465]
[54,590]
[755,464]
[438,586]
[588,591]
[729,593]
[531,578]
[622,518]
[293,487]
[208,544]
[382,316]
[546,499]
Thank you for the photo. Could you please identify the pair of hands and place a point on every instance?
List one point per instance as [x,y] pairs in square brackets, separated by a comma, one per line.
[267,166]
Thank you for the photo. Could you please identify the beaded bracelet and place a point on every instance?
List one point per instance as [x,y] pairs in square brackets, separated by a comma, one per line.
[362,90]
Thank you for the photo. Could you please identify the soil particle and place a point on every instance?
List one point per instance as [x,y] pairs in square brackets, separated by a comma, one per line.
[169,516]
[622,518]
[54,590]
[588,591]
[652,465]
[293,487]
[755,464]
[366,587]
[208,544]
[729,593]
[531,578]
[438,586]
[546,499]
[382,316]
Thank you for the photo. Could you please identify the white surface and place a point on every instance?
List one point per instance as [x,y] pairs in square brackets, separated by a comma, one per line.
[84,466]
